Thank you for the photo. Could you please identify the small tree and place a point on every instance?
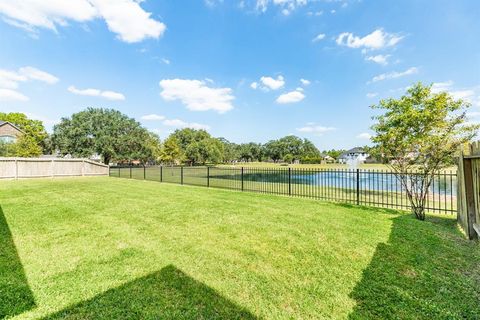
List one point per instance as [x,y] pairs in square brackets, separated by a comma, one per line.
[170,151]
[420,134]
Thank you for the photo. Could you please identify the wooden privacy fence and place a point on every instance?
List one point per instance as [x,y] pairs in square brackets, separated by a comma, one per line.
[15,168]
[468,199]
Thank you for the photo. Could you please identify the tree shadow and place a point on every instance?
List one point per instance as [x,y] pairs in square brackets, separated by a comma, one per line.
[165,294]
[15,294]
[426,270]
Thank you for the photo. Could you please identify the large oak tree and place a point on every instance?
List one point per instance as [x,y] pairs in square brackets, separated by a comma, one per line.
[106,132]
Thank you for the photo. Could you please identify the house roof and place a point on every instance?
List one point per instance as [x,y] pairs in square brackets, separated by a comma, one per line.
[356,150]
[353,150]
[6,122]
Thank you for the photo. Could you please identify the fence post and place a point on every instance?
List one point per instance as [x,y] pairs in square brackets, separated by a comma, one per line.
[16,169]
[130,172]
[181,175]
[161,173]
[144,173]
[358,186]
[242,177]
[289,181]
[208,176]
[470,197]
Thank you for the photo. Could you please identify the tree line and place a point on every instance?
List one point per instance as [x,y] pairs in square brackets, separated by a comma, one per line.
[116,138]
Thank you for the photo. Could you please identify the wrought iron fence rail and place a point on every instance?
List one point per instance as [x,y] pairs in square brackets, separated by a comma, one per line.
[379,188]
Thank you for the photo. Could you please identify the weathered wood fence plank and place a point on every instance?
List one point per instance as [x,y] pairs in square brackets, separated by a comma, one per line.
[469,190]
[18,168]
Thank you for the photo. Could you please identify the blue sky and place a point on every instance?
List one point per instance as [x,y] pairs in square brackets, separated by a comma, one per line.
[245,70]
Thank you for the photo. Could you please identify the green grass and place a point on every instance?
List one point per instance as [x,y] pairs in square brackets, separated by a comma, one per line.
[106,248]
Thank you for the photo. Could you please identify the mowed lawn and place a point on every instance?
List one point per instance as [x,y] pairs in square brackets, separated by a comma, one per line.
[109,248]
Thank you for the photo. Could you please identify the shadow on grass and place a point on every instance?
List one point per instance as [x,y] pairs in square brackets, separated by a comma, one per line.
[15,294]
[165,294]
[426,270]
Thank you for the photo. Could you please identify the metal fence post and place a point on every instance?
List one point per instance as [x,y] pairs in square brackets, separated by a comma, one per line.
[242,177]
[181,175]
[130,172]
[144,173]
[119,173]
[208,176]
[161,173]
[289,181]
[358,186]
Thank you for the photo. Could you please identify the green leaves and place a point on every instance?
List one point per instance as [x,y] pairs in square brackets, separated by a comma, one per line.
[105,132]
[421,132]
[31,143]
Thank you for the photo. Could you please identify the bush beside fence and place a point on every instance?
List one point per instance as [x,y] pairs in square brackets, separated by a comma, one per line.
[16,168]
[362,187]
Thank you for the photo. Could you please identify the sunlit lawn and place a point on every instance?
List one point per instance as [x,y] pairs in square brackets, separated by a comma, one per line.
[107,248]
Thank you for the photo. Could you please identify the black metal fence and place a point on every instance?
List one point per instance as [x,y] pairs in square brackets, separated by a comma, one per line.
[362,187]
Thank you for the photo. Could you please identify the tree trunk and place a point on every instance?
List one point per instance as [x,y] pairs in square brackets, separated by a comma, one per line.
[419,212]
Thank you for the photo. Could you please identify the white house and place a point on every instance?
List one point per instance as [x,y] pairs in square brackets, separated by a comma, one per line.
[357,153]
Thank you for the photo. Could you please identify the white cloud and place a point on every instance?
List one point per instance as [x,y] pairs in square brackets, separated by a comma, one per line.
[315,129]
[165,60]
[376,40]
[9,81]
[196,95]
[177,123]
[152,117]
[125,18]
[315,13]
[395,74]
[254,85]
[441,86]
[287,6]
[271,83]
[36,74]
[212,3]
[12,95]
[372,94]
[364,135]
[110,95]
[471,95]
[473,114]
[380,59]
[305,82]
[319,37]
[291,97]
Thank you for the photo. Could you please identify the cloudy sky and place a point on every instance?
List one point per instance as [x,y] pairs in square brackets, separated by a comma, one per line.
[246,70]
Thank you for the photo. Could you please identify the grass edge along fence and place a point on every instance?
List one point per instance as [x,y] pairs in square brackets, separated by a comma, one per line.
[378,188]
[469,190]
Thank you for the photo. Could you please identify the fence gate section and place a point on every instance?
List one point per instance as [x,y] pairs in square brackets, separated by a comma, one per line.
[469,190]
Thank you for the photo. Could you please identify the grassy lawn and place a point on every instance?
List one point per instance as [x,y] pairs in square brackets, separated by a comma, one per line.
[107,248]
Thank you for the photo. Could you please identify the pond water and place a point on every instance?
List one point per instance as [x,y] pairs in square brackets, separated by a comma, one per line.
[444,183]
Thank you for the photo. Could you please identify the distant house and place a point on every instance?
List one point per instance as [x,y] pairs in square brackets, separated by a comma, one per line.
[356,153]
[326,158]
[9,133]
